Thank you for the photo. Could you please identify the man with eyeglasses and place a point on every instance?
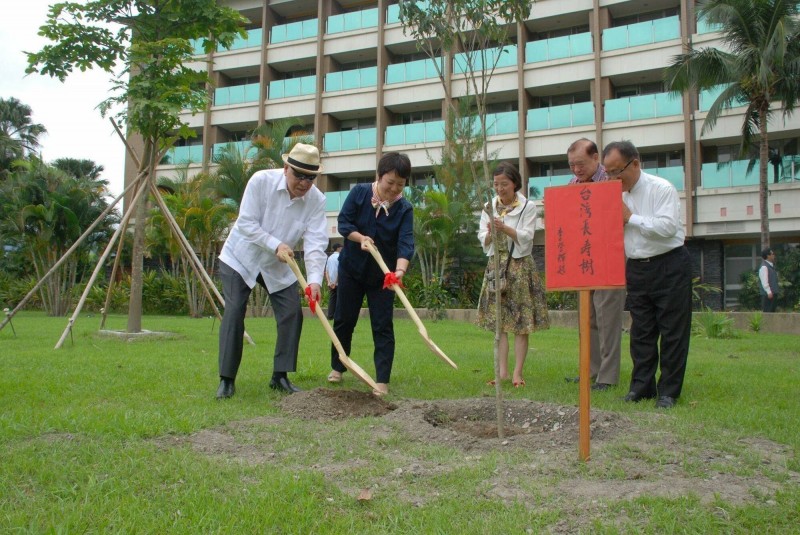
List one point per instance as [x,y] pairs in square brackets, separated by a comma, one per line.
[658,273]
[279,208]
[607,305]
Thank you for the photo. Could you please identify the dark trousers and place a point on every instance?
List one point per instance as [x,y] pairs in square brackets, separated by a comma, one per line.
[660,302]
[769,305]
[381,308]
[332,301]
[288,316]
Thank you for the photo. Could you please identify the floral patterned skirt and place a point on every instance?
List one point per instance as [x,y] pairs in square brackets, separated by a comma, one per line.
[524,304]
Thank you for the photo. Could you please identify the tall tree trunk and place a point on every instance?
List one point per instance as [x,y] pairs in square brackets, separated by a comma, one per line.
[137,255]
[763,192]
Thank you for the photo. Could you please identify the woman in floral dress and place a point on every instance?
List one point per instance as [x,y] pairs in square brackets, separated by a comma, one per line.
[523,302]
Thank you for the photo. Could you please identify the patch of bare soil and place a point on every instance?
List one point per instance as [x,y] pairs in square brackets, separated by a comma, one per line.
[631,457]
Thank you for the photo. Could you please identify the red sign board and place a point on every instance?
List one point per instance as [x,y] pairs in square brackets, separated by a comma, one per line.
[584,245]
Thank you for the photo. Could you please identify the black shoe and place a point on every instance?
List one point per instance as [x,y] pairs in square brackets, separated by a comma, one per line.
[283,384]
[226,388]
[572,379]
[635,397]
[601,386]
[665,402]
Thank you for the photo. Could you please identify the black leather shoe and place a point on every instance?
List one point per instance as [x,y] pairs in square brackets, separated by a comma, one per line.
[284,385]
[601,386]
[572,379]
[635,397]
[226,388]
[665,402]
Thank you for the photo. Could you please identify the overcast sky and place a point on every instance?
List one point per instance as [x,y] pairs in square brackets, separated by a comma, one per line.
[75,128]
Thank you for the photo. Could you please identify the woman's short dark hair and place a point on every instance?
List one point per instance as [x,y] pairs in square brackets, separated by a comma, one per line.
[397,162]
[765,253]
[509,170]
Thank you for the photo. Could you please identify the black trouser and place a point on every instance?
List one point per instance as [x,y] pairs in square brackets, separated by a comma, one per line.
[332,301]
[769,305]
[381,309]
[288,316]
[660,301]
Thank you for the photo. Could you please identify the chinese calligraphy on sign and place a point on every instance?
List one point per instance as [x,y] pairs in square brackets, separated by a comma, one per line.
[584,246]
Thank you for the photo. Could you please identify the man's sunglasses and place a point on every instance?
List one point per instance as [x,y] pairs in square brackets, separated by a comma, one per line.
[301,176]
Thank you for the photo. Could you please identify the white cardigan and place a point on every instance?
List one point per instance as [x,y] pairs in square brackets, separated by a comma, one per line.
[522,218]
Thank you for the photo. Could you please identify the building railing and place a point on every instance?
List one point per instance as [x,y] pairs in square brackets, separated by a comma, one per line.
[565,116]
[642,107]
[566,46]
[410,71]
[352,79]
[537,185]
[505,57]
[393,12]
[642,33]
[244,148]
[363,138]
[734,174]
[184,155]
[293,87]
[293,31]
[356,20]
[406,134]
[236,94]
[704,26]
[709,96]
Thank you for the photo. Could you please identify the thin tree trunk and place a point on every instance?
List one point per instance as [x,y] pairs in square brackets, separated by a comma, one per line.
[137,256]
[763,191]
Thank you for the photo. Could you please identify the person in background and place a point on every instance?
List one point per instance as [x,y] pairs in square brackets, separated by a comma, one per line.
[376,214]
[768,278]
[608,306]
[524,306]
[331,276]
[658,274]
[279,208]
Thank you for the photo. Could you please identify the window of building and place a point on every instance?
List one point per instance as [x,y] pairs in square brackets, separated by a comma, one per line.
[422,116]
[650,88]
[739,258]
[644,17]
[662,159]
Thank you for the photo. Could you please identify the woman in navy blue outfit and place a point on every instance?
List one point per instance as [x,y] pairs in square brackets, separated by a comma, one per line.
[373,213]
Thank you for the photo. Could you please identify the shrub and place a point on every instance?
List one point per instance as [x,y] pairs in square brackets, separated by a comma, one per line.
[755,321]
[713,324]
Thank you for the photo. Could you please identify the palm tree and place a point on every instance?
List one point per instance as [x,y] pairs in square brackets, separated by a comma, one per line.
[761,67]
[19,135]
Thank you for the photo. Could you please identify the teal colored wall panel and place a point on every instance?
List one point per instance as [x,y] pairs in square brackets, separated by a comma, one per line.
[333,81]
[369,18]
[538,119]
[561,116]
[666,29]
[308,85]
[352,21]
[309,28]
[277,34]
[558,47]
[294,31]
[582,114]
[332,141]
[277,89]
[395,135]
[393,14]
[642,107]
[668,104]
[615,38]
[580,44]
[349,139]
[536,51]
[369,77]
[640,33]
[617,109]
[292,87]
[506,123]
[367,138]
[713,177]
[335,24]
[415,133]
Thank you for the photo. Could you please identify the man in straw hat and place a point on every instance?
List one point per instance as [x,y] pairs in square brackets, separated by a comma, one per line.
[279,208]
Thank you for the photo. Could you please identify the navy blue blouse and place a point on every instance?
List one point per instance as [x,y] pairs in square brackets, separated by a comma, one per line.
[393,234]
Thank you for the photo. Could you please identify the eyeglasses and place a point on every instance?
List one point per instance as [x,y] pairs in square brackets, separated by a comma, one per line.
[614,174]
[301,176]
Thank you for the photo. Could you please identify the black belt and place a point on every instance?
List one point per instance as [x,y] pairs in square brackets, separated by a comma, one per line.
[658,256]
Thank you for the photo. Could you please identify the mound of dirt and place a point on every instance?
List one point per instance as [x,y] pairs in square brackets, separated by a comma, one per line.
[328,404]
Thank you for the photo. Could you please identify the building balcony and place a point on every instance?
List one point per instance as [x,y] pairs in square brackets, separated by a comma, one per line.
[293,87]
[352,79]
[412,134]
[566,116]
[411,71]
[236,94]
[566,46]
[642,107]
[641,33]
[363,138]
[466,61]
[187,154]
[356,20]
[294,31]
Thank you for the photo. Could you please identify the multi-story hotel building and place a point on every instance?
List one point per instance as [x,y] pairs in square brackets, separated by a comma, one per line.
[577,68]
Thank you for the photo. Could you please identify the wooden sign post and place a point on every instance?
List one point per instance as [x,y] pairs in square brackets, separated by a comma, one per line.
[585,251]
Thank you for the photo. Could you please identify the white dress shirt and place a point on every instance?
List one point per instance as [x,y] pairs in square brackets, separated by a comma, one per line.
[268,216]
[655,225]
[332,267]
[522,218]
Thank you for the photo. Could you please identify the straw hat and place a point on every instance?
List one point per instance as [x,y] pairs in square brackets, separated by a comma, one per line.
[304,159]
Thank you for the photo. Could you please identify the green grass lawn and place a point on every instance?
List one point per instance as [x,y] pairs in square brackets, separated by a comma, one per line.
[93,437]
